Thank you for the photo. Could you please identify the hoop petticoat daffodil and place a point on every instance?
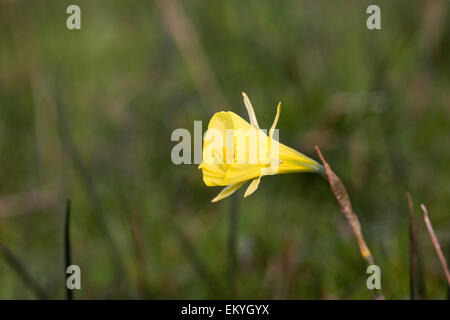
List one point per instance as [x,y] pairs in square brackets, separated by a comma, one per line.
[235,151]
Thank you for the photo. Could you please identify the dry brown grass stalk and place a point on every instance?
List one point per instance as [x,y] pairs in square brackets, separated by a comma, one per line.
[436,244]
[183,32]
[342,198]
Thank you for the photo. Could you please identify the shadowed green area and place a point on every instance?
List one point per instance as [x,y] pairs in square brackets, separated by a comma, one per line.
[88,114]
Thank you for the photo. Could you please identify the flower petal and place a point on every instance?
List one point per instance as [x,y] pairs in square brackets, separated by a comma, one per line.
[275,121]
[241,172]
[228,191]
[251,112]
[252,187]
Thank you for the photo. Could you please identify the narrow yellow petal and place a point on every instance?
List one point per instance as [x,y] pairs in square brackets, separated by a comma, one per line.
[228,191]
[251,112]
[275,121]
[252,187]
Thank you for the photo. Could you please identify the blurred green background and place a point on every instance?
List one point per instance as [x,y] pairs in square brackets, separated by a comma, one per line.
[88,114]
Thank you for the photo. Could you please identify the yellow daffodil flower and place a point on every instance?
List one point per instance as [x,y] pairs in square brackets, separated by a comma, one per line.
[235,151]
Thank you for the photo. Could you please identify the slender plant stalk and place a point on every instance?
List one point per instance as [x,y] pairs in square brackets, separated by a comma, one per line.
[185,36]
[139,251]
[22,272]
[88,184]
[67,248]
[232,244]
[197,262]
[182,30]
[436,244]
[342,198]
[127,202]
[448,287]
[417,284]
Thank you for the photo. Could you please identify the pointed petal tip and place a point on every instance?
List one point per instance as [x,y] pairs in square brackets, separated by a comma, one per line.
[228,191]
[252,187]
[250,110]
[275,121]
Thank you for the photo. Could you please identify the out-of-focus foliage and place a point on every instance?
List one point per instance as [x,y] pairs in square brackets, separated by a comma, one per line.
[88,114]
